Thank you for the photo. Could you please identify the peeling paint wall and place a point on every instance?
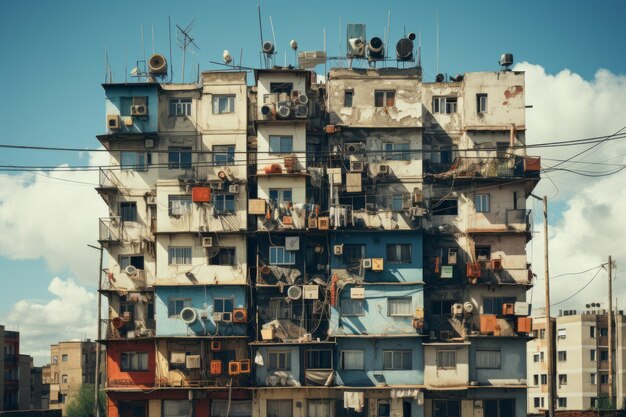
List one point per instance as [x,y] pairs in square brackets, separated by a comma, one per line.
[446,378]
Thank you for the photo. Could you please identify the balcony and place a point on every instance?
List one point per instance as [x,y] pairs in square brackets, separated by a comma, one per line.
[125,328]
[485,167]
[286,216]
[492,272]
[108,182]
[131,279]
[405,217]
[111,230]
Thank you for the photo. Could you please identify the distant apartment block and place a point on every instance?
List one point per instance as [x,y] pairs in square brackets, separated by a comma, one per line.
[72,363]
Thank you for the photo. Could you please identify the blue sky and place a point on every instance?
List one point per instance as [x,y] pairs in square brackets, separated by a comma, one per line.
[53,65]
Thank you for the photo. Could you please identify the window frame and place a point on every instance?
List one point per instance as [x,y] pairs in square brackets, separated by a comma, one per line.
[227,151]
[287,258]
[485,365]
[394,366]
[348,98]
[397,151]
[176,157]
[482,203]
[561,356]
[179,205]
[351,313]
[181,106]
[407,300]
[400,247]
[352,351]
[319,352]
[230,252]
[482,103]
[173,302]
[285,144]
[384,98]
[216,103]
[128,208]
[446,359]
[220,305]
[280,198]
[445,105]
[128,367]
[224,203]
[171,257]
[286,354]
[140,163]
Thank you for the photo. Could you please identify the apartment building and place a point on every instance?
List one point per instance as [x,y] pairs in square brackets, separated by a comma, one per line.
[294,248]
[581,362]
[72,364]
[15,383]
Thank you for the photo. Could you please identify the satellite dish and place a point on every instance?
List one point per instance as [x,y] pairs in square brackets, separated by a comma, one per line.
[268,47]
[134,72]
[294,292]
[188,315]
[227,57]
[376,48]
[157,65]
[468,307]
[293,44]
[411,36]
[439,78]
[130,270]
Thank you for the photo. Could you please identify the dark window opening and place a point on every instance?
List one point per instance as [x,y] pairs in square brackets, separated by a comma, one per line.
[446,208]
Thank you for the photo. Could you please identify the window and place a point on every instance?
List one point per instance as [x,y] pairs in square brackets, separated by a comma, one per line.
[446,207]
[444,105]
[481,203]
[493,305]
[499,408]
[384,409]
[488,359]
[397,359]
[352,360]
[447,408]
[604,355]
[180,107]
[320,408]
[348,95]
[542,333]
[176,305]
[133,161]
[224,408]
[604,378]
[223,154]
[544,379]
[319,359]
[134,260]
[562,356]
[351,308]
[446,359]
[481,103]
[223,104]
[223,256]
[280,309]
[538,402]
[562,379]
[397,202]
[280,256]
[55,359]
[279,360]
[483,253]
[64,379]
[396,151]
[594,402]
[441,307]
[593,379]
[281,144]
[592,332]
[177,408]
[536,379]
[279,408]
[399,253]
[224,306]
[128,211]
[592,355]
[604,332]
[281,88]
[562,402]
[134,361]
[179,205]
[281,196]
[561,333]
[179,255]
[538,357]
[384,98]
[179,157]
[399,306]
[224,203]
[352,254]
[64,358]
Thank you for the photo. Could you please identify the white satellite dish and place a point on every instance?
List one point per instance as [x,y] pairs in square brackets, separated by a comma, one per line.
[293,44]
[227,57]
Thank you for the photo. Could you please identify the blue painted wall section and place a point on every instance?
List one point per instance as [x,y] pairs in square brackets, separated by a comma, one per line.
[119,99]
[376,247]
[512,359]
[201,298]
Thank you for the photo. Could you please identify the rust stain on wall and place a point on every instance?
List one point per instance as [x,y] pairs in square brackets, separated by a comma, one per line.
[513,91]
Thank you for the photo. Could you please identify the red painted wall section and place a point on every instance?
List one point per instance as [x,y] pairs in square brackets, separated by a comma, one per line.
[118,378]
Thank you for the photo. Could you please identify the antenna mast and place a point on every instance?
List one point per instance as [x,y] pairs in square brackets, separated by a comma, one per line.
[186,42]
[261,33]
[437,17]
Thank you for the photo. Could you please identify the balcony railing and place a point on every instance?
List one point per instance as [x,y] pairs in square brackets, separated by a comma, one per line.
[107,179]
[284,216]
[485,167]
[119,328]
[111,229]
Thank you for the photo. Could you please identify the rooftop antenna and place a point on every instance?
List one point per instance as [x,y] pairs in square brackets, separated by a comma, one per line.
[261,34]
[273,34]
[153,39]
[340,41]
[169,25]
[387,35]
[437,24]
[126,65]
[143,49]
[419,48]
[185,42]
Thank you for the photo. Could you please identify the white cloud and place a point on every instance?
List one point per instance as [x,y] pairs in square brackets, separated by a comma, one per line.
[71,314]
[53,219]
[586,220]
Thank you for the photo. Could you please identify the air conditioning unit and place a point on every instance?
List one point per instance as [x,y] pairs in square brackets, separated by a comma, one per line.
[338,250]
[284,110]
[149,143]
[244,366]
[457,309]
[294,292]
[302,99]
[234,368]
[139,106]
[233,188]
[207,242]
[131,270]
[323,223]
[357,293]
[301,111]
[192,361]
[353,147]
[188,315]
[217,317]
[357,166]
[383,169]
[468,307]
[227,317]
[240,315]
[496,263]
[113,121]
[366,263]
[312,223]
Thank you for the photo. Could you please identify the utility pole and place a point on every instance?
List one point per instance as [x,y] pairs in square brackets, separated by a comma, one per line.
[98,336]
[549,332]
[611,385]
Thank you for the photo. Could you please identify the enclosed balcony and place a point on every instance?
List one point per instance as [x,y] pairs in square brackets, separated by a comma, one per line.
[111,230]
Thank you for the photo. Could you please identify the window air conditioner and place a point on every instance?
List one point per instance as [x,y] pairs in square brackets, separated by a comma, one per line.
[207,242]
[113,121]
[367,263]
[233,188]
[357,166]
[338,250]
[383,169]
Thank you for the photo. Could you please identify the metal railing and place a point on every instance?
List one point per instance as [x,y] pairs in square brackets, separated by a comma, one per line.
[111,229]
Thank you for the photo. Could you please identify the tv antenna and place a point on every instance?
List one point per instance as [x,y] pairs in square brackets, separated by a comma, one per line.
[186,42]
